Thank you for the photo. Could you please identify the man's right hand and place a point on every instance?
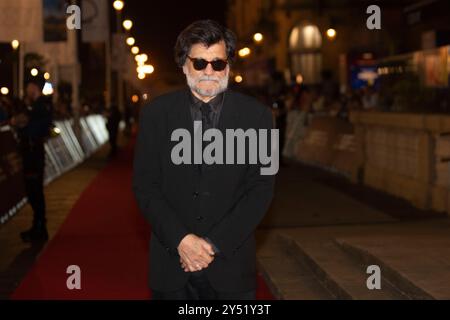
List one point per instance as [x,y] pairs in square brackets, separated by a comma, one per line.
[195,252]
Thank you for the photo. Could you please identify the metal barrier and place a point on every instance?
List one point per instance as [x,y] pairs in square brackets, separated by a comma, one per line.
[63,152]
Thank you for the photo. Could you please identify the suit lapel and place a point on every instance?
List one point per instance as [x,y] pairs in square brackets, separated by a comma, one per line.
[183,113]
[183,118]
[228,114]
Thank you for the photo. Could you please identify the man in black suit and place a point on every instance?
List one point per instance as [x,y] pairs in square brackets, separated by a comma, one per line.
[203,216]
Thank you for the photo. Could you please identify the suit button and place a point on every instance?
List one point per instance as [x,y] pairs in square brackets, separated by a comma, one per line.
[199,218]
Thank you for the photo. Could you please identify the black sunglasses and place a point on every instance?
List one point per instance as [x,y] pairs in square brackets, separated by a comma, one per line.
[201,64]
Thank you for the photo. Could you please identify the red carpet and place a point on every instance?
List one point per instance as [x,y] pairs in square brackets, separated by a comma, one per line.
[105,236]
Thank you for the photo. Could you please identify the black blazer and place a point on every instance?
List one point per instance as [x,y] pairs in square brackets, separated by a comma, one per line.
[224,204]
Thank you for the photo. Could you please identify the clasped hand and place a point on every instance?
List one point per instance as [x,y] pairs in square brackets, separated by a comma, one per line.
[195,253]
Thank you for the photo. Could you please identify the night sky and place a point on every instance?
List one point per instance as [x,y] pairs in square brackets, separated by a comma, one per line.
[158,23]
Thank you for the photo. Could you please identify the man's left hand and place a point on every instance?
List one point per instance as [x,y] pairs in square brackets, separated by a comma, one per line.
[185,266]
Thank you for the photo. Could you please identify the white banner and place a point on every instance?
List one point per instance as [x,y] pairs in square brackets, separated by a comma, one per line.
[21,20]
[95,20]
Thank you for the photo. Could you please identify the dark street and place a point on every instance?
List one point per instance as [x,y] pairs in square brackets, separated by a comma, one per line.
[228,150]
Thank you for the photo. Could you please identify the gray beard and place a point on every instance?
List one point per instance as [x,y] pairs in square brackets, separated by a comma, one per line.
[223,85]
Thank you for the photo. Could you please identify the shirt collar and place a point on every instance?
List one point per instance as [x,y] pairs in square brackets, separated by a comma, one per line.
[215,103]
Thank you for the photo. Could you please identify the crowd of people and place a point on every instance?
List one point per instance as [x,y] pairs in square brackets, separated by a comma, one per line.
[294,106]
[316,100]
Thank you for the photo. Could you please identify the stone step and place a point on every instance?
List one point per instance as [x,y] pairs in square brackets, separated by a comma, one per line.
[337,271]
[399,279]
[287,278]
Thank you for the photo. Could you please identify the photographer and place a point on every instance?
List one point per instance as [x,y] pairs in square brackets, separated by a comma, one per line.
[33,125]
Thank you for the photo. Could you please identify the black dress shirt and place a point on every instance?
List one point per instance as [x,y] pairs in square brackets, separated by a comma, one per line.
[215,105]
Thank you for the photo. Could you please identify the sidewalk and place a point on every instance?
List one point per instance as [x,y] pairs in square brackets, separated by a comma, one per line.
[326,238]
[302,199]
